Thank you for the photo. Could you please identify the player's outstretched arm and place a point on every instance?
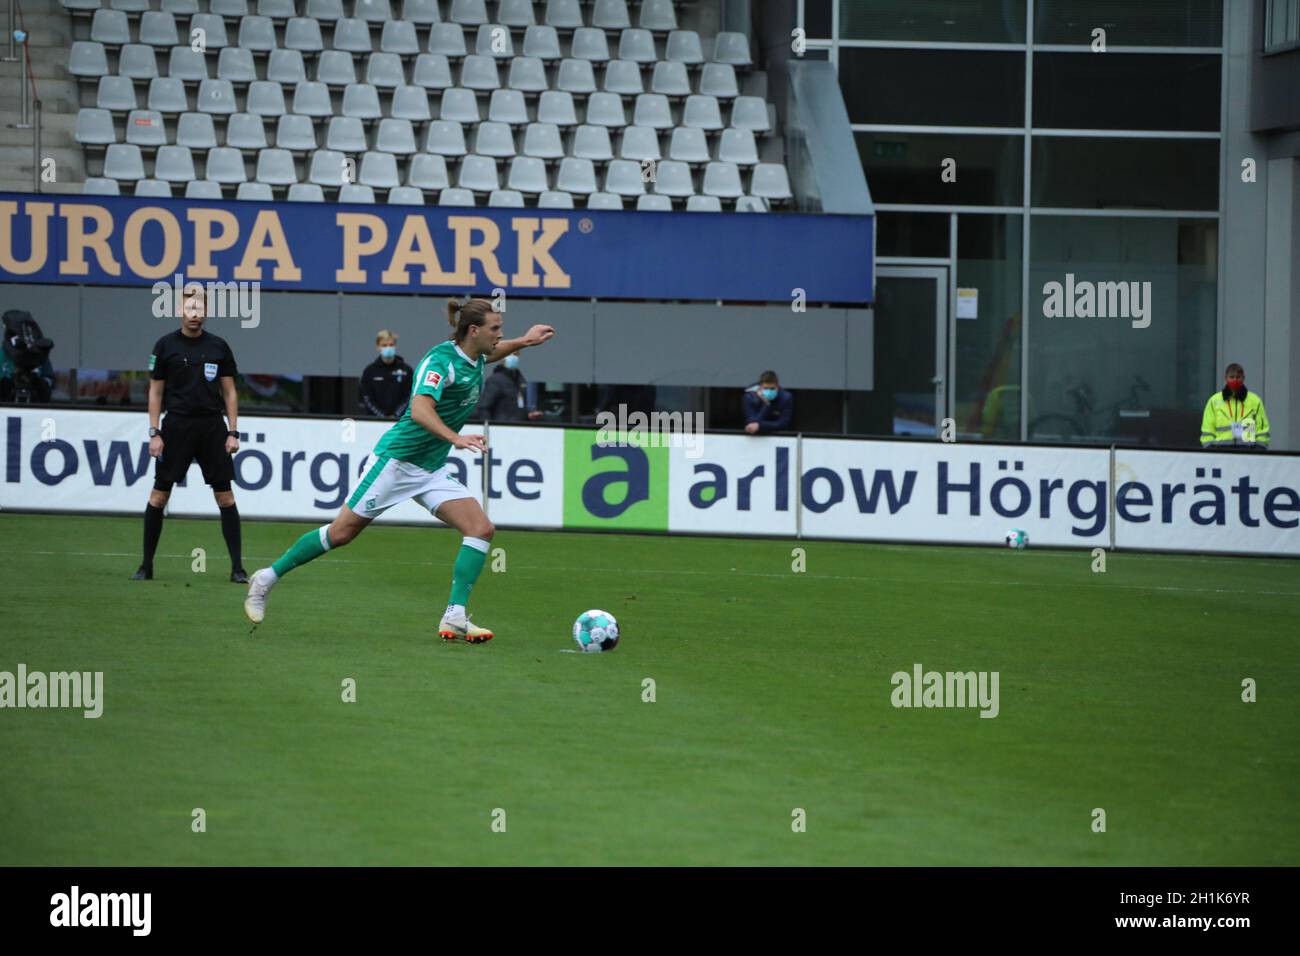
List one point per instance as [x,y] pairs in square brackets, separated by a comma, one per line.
[424,412]
[534,336]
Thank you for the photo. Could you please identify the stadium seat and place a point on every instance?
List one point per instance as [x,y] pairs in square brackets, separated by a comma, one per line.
[673,179]
[704,204]
[356,192]
[592,142]
[346,134]
[396,136]
[122,161]
[688,145]
[455,197]
[576,176]
[236,65]
[137,61]
[229,8]
[432,71]
[507,106]
[384,71]
[94,127]
[652,110]
[179,8]
[81,6]
[604,201]
[303,34]
[257,34]
[265,98]
[275,167]
[771,182]
[196,131]
[260,192]
[305,192]
[478,174]
[719,79]
[175,164]
[640,143]
[399,37]
[187,65]
[446,138]
[362,101]
[225,164]
[684,47]
[493,39]
[494,139]
[750,112]
[527,74]
[556,106]
[410,103]
[99,186]
[622,77]
[542,42]
[637,45]
[610,15]
[286,67]
[130,6]
[459,105]
[722,180]
[527,175]
[276,9]
[327,10]
[421,12]
[87,59]
[576,76]
[216,96]
[651,202]
[516,13]
[670,79]
[555,200]
[110,28]
[605,109]
[563,14]
[751,204]
[373,11]
[167,95]
[738,146]
[506,197]
[296,133]
[327,167]
[336,68]
[657,16]
[472,12]
[447,39]
[405,196]
[202,189]
[731,48]
[213,27]
[623,178]
[543,141]
[590,44]
[312,99]
[245,131]
[352,35]
[479,73]
[153,187]
[145,128]
[427,172]
[703,112]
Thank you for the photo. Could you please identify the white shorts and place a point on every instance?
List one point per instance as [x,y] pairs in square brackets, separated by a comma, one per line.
[389,482]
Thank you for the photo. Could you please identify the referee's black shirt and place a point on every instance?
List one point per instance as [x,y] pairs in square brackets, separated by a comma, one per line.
[193,369]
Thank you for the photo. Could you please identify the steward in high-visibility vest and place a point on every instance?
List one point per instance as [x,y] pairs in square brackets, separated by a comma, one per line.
[1234,417]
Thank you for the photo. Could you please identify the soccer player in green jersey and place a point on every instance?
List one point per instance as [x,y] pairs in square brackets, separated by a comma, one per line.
[410,462]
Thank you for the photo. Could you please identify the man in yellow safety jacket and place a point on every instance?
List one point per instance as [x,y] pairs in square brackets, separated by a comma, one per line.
[1234,417]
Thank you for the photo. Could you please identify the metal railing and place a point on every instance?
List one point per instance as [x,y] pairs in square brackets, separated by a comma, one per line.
[29,103]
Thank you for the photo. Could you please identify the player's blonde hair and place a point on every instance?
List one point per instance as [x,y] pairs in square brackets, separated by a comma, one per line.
[462,315]
[385,334]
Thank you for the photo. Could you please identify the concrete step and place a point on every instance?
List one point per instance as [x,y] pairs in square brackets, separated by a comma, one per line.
[16,161]
[25,186]
[57,131]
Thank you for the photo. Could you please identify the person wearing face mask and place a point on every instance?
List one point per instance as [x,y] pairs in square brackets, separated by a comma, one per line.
[386,382]
[505,395]
[1234,417]
[768,407]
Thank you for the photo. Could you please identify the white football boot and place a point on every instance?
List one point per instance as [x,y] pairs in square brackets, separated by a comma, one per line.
[258,585]
[461,628]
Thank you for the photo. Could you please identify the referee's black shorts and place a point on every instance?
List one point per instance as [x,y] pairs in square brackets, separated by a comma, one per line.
[190,438]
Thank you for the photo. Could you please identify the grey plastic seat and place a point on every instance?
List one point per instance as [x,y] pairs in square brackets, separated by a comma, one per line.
[362,101]
[346,134]
[750,112]
[426,171]
[722,180]
[494,139]
[202,189]
[312,99]
[509,198]
[576,76]
[543,42]
[731,48]
[229,8]
[623,77]
[688,145]
[286,67]
[145,128]
[87,59]
[555,200]
[738,146]
[175,164]
[399,37]
[336,68]
[576,176]
[771,182]
[327,10]
[590,44]
[527,174]
[352,35]
[651,202]
[356,192]
[123,162]
[117,93]
[703,112]
[478,174]
[432,71]
[459,105]
[327,168]
[265,98]
[751,204]
[719,79]
[405,196]
[384,71]
[543,141]
[479,73]
[556,106]
[110,28]
[456,197]
[563,14]
[493,39]
[179,8]
[153,187]
[257,33]
[610,15]
[640,143]
[129,6]
[213,27]
[81,6]
[196,131]
[167,95]
[226,165]
[259,192]
[527,74]
[216,96]
[507,106]
[623,178]
[137,61]
[302,33]
[410,103]
[94,127]
[275,167]
[652,110]
[305,192]
[276,9]
[186,64]
[396,136]
[604,201]
[638,45]
[684,47]
[516,13]
[246,131]
[421,12]
[99,186]
[373,11]
[592,142]
[703,204]
[658,16]
[296,133]
[670,79]
[472,12]
[235,63]
[447,39]
[446,138]
[605,109]
[157,29]
[673,179]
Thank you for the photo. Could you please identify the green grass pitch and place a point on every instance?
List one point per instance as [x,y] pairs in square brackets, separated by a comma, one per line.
[1119,691]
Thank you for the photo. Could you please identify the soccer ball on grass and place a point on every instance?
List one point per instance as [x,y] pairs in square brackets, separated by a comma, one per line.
[1017,539]
[596,631]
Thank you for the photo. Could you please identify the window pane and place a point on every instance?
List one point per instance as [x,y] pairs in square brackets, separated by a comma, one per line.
[933,87]
[908,167]
[1149,23]
[1102,379]
[1096,173]
[984,21]
[1126,91]
[817,19]
[916,234]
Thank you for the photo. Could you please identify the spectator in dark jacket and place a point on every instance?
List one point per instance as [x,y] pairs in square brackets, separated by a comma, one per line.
[768,407]
[386,382]
[505,395]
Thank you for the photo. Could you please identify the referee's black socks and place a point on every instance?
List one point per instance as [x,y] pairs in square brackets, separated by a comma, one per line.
[230,531]
[153,521]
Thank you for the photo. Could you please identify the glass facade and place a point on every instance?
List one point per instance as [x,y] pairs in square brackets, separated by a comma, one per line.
[1011,154]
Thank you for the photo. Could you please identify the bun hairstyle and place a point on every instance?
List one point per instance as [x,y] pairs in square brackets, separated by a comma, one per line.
[462,315]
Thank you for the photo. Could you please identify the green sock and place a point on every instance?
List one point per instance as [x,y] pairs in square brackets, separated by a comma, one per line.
[307,548]
[469,564]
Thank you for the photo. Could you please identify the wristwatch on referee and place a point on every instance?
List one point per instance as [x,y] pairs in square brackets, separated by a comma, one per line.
[232,434]
[153,432]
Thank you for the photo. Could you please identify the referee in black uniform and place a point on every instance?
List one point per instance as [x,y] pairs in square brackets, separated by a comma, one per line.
[193,380]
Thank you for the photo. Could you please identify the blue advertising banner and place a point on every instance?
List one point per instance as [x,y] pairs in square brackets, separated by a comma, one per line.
[746,257]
